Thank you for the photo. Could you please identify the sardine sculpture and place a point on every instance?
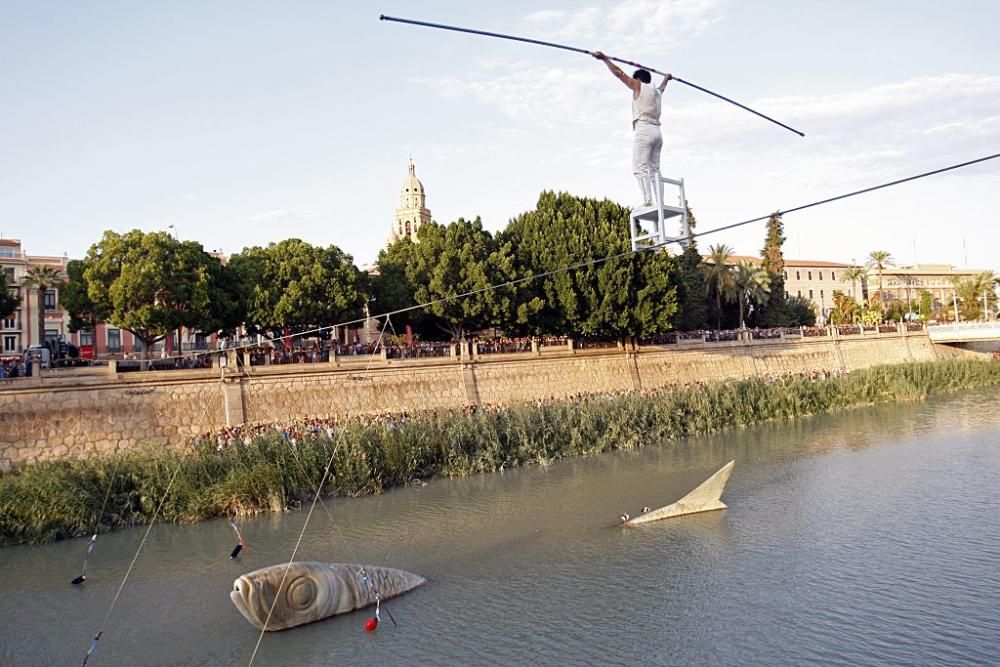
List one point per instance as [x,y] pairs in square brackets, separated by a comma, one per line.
[705,498]
[313,591]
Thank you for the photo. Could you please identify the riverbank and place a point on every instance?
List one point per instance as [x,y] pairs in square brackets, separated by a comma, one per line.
[50,501]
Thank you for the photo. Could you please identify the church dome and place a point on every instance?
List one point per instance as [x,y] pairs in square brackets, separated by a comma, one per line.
[411,185]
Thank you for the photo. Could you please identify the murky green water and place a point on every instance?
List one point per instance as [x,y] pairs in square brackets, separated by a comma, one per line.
[869,537]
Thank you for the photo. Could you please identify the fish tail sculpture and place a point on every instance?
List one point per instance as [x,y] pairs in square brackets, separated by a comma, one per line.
[705,498]
[313,591]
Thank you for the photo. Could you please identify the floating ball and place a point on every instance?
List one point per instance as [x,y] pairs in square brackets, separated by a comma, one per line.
[371,624]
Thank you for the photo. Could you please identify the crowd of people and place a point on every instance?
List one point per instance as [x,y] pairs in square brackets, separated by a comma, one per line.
[304,430]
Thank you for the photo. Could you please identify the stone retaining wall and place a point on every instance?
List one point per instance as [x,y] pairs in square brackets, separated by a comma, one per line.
[65,418]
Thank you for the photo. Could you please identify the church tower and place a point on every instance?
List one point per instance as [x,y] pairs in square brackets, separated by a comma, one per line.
[412,211]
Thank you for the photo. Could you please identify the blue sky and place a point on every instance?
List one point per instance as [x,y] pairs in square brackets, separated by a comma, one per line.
[241,123]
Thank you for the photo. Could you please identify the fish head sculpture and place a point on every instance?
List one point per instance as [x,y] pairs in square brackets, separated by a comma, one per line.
[300,593]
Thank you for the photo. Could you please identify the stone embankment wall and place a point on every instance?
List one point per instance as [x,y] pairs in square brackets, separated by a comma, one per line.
[81,415]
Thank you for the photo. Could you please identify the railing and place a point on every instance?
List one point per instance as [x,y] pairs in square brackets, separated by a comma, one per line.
[592,343]
[965,331]
[422,351]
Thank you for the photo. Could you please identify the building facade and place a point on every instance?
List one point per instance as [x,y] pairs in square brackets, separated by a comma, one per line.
[817,280]
[20,330]
[904,283]
[412,212]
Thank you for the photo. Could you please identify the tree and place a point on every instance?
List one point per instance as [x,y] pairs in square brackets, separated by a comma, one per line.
[152,284]
[801,312]
[926,304]
[630,293]
[41,278]
[749,287]
[854,275]
[693,313]
[845,309]
[718,276]
[879,260]
[456,259]
[772,313]
[8,302]
[76,300]
[971,293]
[296,285]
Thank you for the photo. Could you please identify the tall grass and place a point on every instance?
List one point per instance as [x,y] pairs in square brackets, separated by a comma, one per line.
[50,501]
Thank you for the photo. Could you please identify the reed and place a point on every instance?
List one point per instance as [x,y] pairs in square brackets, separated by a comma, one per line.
[50,501]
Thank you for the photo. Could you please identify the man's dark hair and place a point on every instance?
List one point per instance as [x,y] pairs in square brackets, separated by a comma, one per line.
[642,75]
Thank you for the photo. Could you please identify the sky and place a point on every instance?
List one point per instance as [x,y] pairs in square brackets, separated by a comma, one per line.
[242,123]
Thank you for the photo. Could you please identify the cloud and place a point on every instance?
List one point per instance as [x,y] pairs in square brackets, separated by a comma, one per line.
[645,26]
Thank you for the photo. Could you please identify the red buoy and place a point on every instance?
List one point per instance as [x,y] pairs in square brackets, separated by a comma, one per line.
[371,624]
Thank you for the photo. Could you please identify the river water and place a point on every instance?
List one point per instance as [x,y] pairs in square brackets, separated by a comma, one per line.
[861,538]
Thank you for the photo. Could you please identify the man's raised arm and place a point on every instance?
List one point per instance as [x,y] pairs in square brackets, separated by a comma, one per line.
[663,84]
[619,74]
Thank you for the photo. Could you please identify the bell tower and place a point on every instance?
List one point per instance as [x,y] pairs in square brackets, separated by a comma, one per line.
[412,211]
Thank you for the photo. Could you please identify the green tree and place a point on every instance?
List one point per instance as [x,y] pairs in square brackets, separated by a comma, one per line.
[8,302]
[972,292]
[845,309]
[461,259]
[772,313]
[926,304]
[76,300]
[152,284]
[749,288]
[879,260]
[630,293]
[801,312]
[718,276]
[693,310]
[856,275]
[42,277]
[296,285]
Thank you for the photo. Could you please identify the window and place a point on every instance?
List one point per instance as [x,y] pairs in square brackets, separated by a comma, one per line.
[50,299]
[8,273]
[10,343]
[786,294]
[821,294]
[798,277]
[200,341]
[833,275]
[114,341]
[810,274]
[86,337]
[821,275]
[786,275]
[10,323]
[137,344]
[800,294]
[810,294]
[52,335]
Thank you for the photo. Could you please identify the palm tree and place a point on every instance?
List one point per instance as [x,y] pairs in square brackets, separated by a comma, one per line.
[42,277]
[972,290]
[718,276]
[750,285]
[855,274]
[878,260]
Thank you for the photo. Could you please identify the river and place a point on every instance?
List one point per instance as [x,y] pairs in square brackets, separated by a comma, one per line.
[866,537]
